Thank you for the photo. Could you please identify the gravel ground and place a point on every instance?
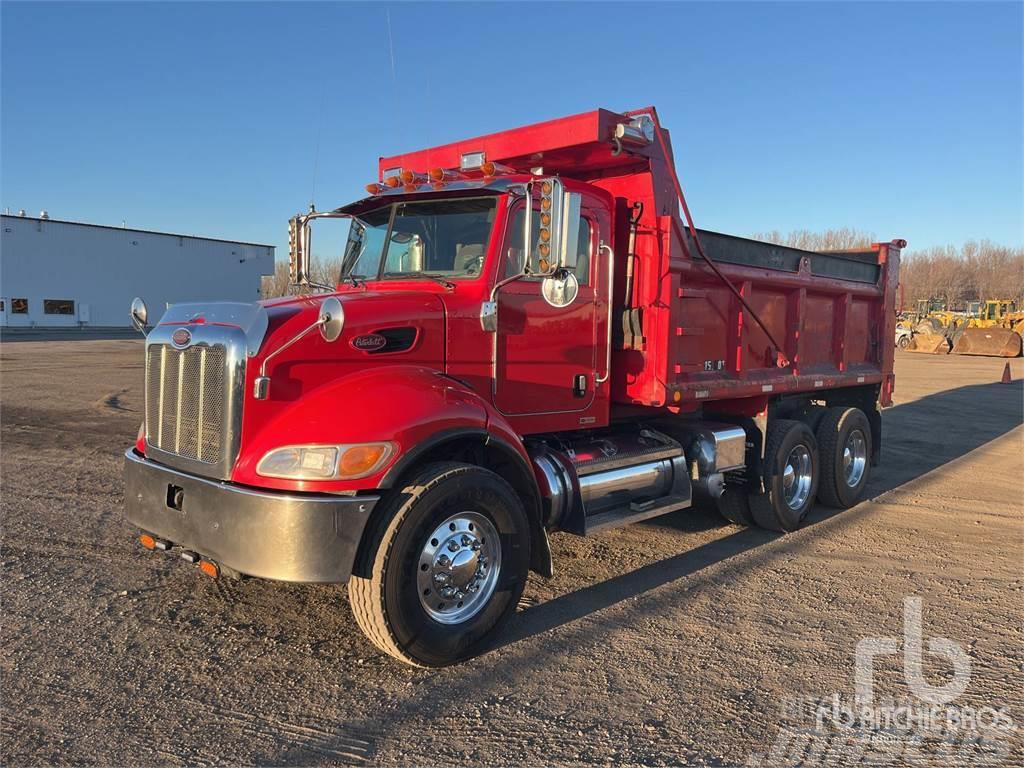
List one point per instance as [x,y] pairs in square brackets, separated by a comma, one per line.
[678,641]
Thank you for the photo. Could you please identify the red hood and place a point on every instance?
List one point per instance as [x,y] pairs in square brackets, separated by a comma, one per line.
[412,323]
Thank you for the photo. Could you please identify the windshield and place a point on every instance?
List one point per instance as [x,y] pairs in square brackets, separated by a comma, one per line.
[440,238]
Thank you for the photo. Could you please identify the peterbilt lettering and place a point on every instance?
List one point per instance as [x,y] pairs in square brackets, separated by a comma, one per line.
[525,338]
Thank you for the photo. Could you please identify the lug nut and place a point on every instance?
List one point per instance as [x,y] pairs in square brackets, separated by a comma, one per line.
[466,541]
[443,561]
[453,546]
[441,578]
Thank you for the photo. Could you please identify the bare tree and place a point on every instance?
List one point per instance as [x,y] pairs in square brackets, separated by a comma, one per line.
[977,270]
[276,284]
[322,272]
[841,239]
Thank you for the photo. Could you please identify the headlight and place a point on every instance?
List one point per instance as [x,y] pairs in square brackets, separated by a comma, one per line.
[325,462]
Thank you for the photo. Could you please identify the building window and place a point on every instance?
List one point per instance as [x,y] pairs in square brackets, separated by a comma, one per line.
[19,306]
[58,307]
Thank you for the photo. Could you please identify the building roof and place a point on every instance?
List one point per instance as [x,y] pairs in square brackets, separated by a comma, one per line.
[132,229]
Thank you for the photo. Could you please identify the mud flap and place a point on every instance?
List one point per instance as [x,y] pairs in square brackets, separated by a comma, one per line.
[992,342]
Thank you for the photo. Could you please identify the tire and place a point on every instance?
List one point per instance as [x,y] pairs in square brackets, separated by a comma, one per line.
[734,506]
[774,509]
[836,436]
[904,342]
[403,552]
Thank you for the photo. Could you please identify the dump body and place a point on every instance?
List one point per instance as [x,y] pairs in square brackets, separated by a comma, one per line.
[833,314]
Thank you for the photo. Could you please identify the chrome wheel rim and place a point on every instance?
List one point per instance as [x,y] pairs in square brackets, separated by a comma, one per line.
[796,477]
[855,457]
[458,568]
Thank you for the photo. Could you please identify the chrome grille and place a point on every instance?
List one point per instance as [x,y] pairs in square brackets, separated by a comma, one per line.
[186,395]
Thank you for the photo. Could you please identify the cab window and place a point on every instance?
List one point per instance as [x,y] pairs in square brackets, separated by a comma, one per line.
[514,255]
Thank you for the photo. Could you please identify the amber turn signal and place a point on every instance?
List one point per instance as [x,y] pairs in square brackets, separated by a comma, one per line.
[210,569]
[488,168]
[392,181]
[147,541]
[359,459]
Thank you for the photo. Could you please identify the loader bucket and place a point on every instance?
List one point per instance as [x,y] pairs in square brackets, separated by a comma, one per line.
[928,327]
[992,342]
[929,344]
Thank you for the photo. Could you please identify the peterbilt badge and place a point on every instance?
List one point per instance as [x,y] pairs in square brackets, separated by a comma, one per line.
[181,337]
[369,342]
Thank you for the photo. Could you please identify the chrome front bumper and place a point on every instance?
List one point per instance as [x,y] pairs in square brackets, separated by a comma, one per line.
[270,535]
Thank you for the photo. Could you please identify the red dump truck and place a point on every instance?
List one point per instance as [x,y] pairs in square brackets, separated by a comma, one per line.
[528,335]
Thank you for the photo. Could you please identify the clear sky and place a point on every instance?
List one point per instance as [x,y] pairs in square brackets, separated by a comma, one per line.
[900,119]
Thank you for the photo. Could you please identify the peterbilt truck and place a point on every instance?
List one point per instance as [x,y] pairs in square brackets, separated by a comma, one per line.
[528,335]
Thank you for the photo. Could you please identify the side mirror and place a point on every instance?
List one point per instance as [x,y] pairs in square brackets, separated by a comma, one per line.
[332,319]
[559,226]
[298,250]
[561,289]
[139,315]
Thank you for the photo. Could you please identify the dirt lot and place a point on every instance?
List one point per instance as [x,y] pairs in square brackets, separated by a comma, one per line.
[680,641]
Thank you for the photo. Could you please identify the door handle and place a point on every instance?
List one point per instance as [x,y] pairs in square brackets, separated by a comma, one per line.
[579,385]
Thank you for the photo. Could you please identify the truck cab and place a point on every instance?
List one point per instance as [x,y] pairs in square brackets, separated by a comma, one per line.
[527,335]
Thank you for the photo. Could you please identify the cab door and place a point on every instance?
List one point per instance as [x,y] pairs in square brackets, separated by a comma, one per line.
[548,357]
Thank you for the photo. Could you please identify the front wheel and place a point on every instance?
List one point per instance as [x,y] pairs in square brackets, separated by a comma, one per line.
[444,566]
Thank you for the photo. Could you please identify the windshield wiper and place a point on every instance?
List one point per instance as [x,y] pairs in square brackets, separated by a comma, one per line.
[354,279]
[413,275]
[438,278]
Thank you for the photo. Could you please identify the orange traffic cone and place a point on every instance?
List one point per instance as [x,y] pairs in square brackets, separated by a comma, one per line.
[1006,374]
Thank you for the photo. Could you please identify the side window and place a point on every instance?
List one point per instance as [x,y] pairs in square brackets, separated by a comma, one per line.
[19,306]
[514,254]
[58,307]
[584,248]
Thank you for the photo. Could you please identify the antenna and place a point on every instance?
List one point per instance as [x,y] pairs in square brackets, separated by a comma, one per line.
[394,71]
[316,150]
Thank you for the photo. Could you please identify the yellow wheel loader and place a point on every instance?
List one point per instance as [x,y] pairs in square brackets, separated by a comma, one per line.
[995,332]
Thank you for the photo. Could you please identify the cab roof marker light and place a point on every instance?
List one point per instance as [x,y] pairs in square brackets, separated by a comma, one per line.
[392,182]
[410,177]
[375,189]
[439,175]
[493,169]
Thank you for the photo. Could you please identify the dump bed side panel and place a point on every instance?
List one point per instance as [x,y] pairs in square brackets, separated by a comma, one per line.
[832,313]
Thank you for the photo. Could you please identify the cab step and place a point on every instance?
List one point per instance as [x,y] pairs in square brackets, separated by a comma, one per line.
[633,513]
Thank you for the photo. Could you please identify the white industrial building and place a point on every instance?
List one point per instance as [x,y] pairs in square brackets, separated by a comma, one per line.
[63,273]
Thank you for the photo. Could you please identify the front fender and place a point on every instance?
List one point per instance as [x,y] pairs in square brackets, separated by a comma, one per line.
[404,404]
[412,406]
